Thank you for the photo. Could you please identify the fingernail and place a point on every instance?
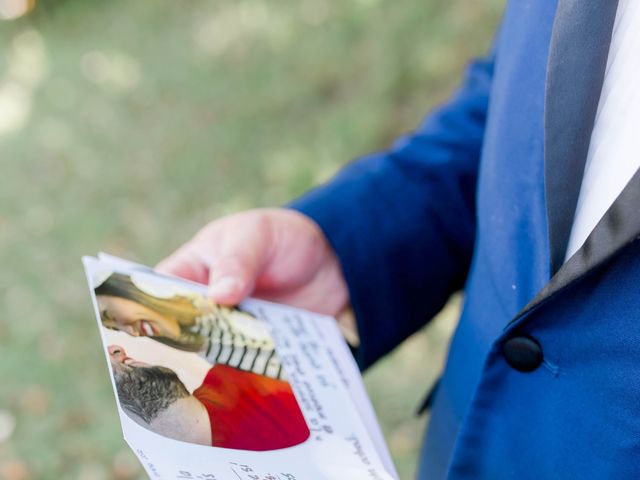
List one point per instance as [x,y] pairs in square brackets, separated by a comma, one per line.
[225,286]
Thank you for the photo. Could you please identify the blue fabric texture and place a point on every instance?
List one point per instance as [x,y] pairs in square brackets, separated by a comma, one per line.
[460,203]
[381,212]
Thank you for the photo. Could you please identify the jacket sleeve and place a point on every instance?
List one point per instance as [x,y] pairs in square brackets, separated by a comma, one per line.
[402,222]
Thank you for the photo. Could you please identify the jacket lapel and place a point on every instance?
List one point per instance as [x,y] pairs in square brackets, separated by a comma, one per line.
[619,227]
[575,71]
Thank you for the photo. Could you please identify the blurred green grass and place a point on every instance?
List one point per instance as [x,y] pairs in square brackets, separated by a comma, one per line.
[125,126]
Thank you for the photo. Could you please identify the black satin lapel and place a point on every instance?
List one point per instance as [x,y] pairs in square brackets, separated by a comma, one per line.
[577,60]
[619,226]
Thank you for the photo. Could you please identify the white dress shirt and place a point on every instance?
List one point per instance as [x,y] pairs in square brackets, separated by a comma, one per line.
[614,151]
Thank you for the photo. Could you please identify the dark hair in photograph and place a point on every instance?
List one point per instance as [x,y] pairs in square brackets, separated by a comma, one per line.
[147,391]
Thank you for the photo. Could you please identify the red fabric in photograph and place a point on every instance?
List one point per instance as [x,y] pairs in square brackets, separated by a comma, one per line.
[249,411]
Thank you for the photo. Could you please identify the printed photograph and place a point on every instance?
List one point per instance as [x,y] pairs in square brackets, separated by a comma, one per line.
[194,371]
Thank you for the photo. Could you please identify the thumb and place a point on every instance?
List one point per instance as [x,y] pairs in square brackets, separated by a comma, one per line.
[237,261]
[231,279]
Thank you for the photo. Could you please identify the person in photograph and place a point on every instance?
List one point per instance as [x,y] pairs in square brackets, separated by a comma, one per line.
[189,322]
[232,408]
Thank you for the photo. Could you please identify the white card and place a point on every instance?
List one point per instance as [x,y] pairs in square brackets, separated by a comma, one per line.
[263,392]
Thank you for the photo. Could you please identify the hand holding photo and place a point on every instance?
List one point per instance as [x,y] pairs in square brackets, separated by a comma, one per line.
[260,390]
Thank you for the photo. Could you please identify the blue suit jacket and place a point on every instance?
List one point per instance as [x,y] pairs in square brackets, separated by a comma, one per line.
[482,197]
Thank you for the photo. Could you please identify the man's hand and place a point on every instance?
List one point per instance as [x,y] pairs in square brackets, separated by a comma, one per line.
[275,254]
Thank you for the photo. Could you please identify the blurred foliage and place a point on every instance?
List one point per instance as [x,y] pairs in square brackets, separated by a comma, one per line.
[125,126]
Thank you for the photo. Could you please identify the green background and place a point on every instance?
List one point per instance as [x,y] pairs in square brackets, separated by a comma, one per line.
[126,125]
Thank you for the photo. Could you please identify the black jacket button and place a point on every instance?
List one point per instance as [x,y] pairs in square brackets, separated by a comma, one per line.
[523,353]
